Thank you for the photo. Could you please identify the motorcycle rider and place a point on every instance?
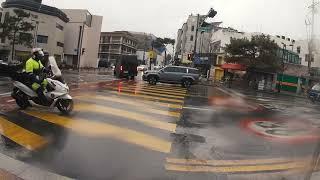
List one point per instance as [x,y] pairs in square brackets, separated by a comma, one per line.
[35,70]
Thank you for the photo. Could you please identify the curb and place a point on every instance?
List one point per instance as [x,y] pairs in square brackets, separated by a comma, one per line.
[315,176]
[26,171]
[264,92]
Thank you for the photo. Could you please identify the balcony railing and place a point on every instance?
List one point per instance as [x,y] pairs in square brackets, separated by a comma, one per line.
[104,50]
[116,41]
[114,51]
[128,44]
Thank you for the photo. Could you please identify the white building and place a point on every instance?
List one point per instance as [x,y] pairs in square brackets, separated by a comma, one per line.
[61,33]
[188,36]
[221,38]
[50,25]
[82,38]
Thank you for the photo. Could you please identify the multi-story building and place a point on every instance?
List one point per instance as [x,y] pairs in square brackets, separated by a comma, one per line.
[82,35]
[115,44]
[220,38]
[49,32]
[293,53]
[189,36]
[144,46]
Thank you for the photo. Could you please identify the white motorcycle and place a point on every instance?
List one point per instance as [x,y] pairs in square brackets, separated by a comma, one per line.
[57,91]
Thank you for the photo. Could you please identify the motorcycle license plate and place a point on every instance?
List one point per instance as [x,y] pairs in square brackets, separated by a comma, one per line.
[126,71]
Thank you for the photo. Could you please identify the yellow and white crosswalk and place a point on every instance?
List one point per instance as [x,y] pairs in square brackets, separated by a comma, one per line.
[21,136]
[137,114]
[156,109]
[96,129]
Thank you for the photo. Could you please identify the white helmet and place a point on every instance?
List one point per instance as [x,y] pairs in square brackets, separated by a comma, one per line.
[37,54]
[37,51]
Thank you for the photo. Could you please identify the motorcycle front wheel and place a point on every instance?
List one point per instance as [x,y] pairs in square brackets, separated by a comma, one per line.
[65,105]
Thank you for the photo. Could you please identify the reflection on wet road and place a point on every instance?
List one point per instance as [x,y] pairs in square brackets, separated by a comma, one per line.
[130,130]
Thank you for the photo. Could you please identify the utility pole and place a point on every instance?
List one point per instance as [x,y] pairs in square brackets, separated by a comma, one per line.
[151,58]
[316,154]
[173,55]
[284,50]
[311,42]
[196,36]
[81,33]
[144,49]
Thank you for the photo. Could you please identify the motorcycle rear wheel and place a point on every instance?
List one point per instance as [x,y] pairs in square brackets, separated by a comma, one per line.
[20,98]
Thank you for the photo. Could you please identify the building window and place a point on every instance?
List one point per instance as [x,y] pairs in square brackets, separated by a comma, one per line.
[192,28]
[58,58]
[42,39]
[108,39]
[6,16]
[299,49]
[33,16]
[59,27]
[25,35]
[191,38]
[0,16]
[3,40]
[60,44]
[220,60]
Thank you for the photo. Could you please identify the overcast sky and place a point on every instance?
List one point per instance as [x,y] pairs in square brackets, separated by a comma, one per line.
[164,17]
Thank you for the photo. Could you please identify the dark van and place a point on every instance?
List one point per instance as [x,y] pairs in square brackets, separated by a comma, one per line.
[314,93]
[126,67]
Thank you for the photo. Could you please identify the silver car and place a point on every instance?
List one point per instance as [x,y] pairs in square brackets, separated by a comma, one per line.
[185,76]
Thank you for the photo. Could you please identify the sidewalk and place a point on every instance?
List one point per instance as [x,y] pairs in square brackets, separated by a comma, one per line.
[315,176]
[8,176]
[12,169]
[249,90]
[88,71]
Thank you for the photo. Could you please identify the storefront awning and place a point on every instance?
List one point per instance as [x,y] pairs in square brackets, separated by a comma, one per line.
[238,67]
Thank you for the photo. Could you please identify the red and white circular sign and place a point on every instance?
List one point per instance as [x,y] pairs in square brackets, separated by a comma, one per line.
[292,131]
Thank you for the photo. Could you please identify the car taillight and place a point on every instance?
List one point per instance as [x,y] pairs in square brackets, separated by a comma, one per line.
[121,68]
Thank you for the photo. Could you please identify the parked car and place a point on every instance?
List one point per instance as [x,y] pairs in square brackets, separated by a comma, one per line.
[126,67]
[142,68]
[185,76]
[314,93]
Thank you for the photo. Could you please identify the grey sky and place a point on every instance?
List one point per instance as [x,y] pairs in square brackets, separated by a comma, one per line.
[164,17]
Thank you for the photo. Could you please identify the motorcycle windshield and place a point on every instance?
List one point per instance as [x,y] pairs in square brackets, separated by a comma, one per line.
[316,87]
[54,67]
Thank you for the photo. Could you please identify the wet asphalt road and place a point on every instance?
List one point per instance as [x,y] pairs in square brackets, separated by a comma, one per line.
[130,130]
